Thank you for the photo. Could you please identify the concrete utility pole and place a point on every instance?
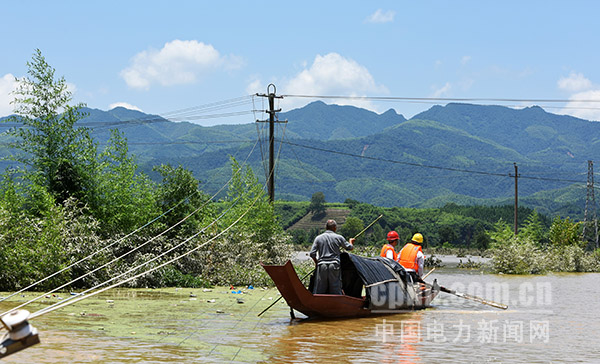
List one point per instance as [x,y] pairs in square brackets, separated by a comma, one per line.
[271,121]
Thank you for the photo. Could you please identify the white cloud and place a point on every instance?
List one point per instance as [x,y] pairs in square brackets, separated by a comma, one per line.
[465,59]
[178,62]
[125,105]
[441,91]
[333,74]
[576,82]
[255,86]
[578,106]
[381,17]
[582,90]
[8,84]
[71,87]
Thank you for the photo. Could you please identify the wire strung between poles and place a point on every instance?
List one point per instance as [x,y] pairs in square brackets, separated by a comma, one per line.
[75,299]
[81,297]
[96,252]
[133,250]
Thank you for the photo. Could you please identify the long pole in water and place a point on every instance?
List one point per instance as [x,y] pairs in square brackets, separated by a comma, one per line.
[312,271]
[474,298]
[467,296]
[428,273]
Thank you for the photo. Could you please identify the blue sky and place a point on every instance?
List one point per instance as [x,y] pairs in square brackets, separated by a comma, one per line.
[161,57]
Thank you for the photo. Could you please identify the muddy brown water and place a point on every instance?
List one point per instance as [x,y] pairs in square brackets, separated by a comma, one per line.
[551,319]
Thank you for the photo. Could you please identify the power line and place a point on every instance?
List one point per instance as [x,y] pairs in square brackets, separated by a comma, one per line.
[440,99]
[428,166]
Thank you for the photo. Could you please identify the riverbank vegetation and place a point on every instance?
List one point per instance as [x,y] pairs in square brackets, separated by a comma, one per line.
[542,244]
[537,251]
[67,201]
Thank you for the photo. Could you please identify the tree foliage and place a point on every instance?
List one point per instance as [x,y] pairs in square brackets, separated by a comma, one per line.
[565,232]
[317,203]
[123,198]
[59,154]
[66,201]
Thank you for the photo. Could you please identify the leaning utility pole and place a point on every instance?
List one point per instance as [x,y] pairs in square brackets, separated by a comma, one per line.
[271,121]
[517,175]
[590,206]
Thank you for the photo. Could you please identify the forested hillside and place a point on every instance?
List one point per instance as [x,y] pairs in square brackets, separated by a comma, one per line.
[457,153]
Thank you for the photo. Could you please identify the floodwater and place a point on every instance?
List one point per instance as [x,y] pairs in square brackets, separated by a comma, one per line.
[550,319]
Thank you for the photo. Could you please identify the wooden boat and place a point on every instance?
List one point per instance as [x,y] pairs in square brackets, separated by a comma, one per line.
[387,288]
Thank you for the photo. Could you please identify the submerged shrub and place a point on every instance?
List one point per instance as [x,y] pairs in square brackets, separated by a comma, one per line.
[516,256]
[572,259]
[525,257]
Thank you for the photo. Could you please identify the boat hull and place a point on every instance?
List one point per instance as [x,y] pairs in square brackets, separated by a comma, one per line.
[299,298]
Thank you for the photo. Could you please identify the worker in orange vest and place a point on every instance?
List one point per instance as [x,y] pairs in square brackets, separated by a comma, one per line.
[388,250]
[412,258]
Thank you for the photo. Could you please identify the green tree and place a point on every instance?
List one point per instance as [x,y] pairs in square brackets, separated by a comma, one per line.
[565,232]
[501,233]
[481,240]
[317,203]
[351,227]
[447,234]
[533,228]
[179,191]
[124,198]
[59,155]
[247,198]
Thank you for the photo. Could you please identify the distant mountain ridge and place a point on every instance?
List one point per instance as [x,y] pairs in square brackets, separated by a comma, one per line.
[320,121]
[459,153]
[531,131]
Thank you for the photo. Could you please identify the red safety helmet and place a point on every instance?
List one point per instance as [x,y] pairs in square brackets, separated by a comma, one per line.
[392,235]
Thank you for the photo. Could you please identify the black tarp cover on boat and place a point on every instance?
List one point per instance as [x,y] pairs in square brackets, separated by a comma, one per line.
[376,270]
[384,280]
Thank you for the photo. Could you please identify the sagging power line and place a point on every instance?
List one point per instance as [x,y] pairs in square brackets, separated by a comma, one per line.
[428,166]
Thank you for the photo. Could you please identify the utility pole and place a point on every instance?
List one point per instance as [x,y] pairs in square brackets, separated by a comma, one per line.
[517,175]
[271,174]
[590,206]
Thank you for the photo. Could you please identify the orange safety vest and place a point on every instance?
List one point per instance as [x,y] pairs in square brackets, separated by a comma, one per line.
[385,249]
[408,256]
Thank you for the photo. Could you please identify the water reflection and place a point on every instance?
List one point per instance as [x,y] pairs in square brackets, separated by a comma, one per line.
[372,339]
[556,323]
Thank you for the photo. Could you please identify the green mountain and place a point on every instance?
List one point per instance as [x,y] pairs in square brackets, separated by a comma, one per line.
[457,153]
[320,121]
[532,132]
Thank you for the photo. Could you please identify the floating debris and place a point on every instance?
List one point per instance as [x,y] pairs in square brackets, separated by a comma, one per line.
[220,311]
[211,301]
[192,294]
[240,300]
[207,290]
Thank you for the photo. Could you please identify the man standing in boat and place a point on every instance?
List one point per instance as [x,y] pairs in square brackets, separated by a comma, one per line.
[325,252]
[389,249]
[412,258]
